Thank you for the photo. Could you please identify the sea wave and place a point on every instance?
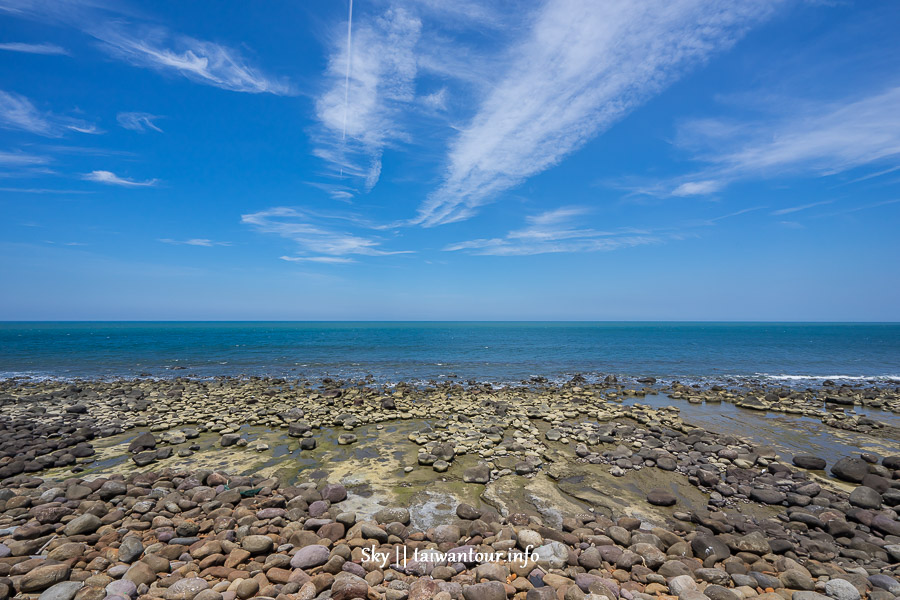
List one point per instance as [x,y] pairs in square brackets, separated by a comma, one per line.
[830,377]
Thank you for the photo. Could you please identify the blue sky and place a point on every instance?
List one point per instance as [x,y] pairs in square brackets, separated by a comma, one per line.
[568,159]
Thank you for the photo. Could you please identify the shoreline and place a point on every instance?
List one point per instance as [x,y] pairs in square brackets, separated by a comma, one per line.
[557,459]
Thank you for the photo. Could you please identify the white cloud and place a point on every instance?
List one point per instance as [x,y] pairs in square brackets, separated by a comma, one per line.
[138,121]
[195,242]
[822,140]
[198,60]
[584,66]
[554,232]
[793,209]
[21,159]
[436,100]
[331,260]
[18,113]
[698,188]
[33,48]
[360,107]
[305,229]
[111,178]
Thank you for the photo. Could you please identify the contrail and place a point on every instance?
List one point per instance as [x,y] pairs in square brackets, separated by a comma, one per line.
[347,77]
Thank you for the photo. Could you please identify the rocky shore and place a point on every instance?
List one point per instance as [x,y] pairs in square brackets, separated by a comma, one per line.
[240,488]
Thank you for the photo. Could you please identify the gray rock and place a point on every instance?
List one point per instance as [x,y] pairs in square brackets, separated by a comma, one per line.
[865,497]
[130,549]
[491,590]
[681,584]
[392,515]
[813,463]
[257,544]
[186,589]
[841,589]
[551,556]
[86,523]
[885,582]
[122,587]
[477,474]
[850,469]
[310,556]
[64,590]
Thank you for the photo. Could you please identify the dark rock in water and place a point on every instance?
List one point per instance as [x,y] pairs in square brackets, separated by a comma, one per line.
[865,497]
[298,429]
[659,497]
[467,512]
[891,462]
[308,444]
[850,469]
[813,463]
[144,458]
[230,439]
[145,441]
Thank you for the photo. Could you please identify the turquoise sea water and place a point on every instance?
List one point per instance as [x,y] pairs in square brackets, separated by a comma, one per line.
[497,352]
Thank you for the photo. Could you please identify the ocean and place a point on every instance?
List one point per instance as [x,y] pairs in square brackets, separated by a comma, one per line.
[499,352]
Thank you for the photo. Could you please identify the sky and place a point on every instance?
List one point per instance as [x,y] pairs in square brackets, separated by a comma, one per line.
[431,160]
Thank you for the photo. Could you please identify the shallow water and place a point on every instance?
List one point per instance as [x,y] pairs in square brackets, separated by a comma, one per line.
[788,434]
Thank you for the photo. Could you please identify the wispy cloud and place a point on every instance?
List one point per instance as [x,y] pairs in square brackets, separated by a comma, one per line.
[824,140]
[793,209]
[110,178]
[42,191]
[198,60]
[315,237]
[554,232]
[330,260]
[21,159]
[18,113]
[583,66]
[369,80]
[194,242]
[138,121]
[33,48]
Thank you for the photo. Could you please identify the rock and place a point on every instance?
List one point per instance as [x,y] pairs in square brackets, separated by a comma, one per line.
[257,544]
[123,588]
[392,515]
[310,556]
[659,497]
[86,523]
[40,578]
[186,589]
[477,474]
[64,590]
[334,493]
[767,495]
[885,582]
[491,590]
[551,556]
[229,439]
[145,441]
[681,584]
[850,469]
[841,589]
[797,580]
[467,512]
[130,549]
[865,497]
[755,543]
[347,586]
[806,461]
